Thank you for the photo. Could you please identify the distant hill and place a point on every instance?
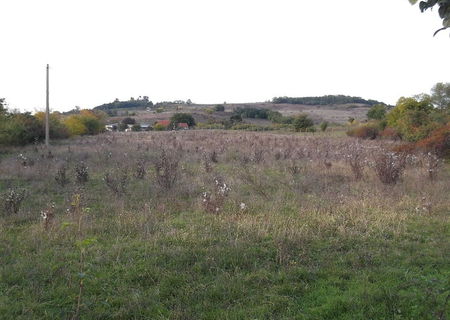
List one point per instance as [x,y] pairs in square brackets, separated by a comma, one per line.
[325,100]
[140,103]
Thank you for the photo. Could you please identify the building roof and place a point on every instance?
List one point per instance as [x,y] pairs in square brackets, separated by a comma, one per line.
[164,123]
[183,125]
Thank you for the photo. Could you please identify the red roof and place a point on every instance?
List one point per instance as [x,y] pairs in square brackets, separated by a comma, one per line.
[164,123]
[183,125]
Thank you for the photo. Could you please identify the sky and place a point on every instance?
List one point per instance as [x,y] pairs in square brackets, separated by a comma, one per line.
[212,51]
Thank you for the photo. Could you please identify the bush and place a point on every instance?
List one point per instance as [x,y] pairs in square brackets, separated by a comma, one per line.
[303,123]
[324,126]
[389,166]
[364,132]
[136,127]
[20,129]
[159,127]
[437,142]
[12,200]
[390,134]
[219,108]
[377,112]
[182,118]
[128,120]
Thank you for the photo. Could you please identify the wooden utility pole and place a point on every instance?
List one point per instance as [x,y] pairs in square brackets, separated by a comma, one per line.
[47,114]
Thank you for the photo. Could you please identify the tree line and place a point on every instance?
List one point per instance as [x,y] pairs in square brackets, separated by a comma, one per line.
[18,128]
[324,100]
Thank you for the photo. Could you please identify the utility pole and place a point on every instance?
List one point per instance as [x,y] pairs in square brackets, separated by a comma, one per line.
[47,114]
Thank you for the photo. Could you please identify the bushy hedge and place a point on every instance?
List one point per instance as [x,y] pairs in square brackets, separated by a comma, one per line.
[24,128]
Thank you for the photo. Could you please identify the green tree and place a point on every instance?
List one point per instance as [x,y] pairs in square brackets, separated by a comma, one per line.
[440,95]
[444,10]
[182,118]
[219,108]
[2,106]
[377,112]
[302,123]
[412,118]
[128,121]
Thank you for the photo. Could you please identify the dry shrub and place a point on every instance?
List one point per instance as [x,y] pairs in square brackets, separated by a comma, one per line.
[437,142]
[12,200]
[389,166]
[81,172]
[364,132]
[61,176]
[139,171]
[214,201]
[389,134]
[167,168]
[116,180]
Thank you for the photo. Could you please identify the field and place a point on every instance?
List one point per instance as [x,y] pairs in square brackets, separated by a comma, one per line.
[336,114]
[223,225]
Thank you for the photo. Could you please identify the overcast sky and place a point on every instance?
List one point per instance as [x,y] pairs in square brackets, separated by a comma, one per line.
[211,51]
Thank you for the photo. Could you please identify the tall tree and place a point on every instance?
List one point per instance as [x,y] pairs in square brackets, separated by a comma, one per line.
[440,95]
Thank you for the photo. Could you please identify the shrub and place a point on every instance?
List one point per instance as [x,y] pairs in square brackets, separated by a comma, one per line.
[166,169]
[302,123]
[389,166]
[377,112]
[219,108]
[61,176]
[81,173]
[136,127]
[116,181]
[364,132]
[324,126]
[159,127]
[182,118]
[128,120]
[12,200]
[390,133]
[438,142]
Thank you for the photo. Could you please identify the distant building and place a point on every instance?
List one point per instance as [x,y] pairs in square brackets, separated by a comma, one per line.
[111,127]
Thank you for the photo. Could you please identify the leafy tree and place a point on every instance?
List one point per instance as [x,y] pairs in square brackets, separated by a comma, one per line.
[219,108]
[440,95]
[136,127]
[412,118]
[2,106]
[75,125]
[324,100]
[19,129]
[129,121]
[182,118]
[302,123]
[377,112]
[444,10]
[236,118]
[57,128]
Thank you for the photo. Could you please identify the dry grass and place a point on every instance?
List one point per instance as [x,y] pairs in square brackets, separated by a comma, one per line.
[285,203]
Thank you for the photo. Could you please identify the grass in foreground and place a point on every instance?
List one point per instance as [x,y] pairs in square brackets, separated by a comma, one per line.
[293,238]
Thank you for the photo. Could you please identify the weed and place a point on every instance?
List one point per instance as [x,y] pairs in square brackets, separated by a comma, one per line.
[81,172]
[12,200]
[61,176]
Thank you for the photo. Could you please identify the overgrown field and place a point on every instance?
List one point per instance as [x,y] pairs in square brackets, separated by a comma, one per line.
[223,225]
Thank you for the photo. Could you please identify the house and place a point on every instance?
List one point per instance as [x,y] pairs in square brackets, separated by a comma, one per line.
[164,123]
[145,126]
[183,125]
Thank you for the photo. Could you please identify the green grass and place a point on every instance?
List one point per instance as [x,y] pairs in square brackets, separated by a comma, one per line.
[296,255]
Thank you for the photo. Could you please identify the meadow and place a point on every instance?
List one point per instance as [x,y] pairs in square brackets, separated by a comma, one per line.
[223,225]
